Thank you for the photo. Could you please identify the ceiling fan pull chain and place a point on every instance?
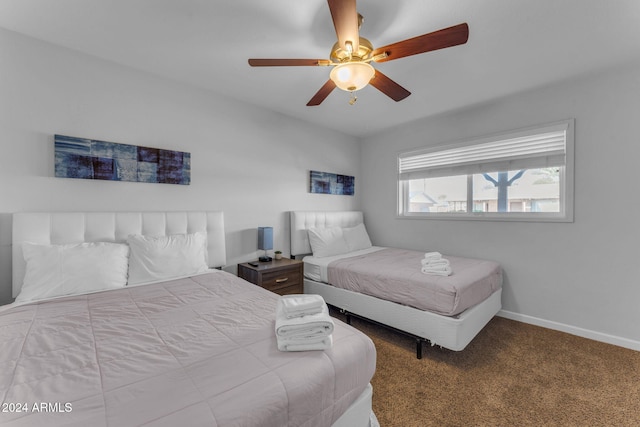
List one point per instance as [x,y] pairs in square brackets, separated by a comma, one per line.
[353,98]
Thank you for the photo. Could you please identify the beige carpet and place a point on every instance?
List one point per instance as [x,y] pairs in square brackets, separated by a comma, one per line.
[512,374]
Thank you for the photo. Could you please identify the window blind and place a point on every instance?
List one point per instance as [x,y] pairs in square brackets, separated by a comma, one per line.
[538,148]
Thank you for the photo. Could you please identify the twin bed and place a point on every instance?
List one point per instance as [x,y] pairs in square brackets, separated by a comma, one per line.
[198,349]
[374,282]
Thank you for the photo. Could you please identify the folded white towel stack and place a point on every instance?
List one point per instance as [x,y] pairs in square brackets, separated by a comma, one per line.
[302,305]
[432,256]
[304,331]
[433,263]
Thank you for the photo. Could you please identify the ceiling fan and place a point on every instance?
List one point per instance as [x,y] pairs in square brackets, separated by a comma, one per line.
[351,55]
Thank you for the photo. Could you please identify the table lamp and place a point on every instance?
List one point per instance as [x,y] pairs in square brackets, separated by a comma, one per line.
[265,242]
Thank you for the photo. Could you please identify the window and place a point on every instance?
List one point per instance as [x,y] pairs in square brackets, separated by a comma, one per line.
[522,175]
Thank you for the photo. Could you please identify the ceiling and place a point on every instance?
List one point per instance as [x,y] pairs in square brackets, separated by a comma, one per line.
[514,45]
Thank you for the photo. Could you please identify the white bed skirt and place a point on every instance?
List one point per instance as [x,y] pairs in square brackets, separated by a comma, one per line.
[359,414]
[453,333]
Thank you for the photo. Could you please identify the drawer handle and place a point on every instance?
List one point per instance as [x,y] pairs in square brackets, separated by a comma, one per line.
[282,280]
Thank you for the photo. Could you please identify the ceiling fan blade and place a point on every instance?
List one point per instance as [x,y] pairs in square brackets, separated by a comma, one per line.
[345,21]
[288,62]
[452,36]
[387,86]
[322,94]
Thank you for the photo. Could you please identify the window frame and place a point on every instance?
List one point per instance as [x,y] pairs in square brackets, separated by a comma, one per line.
[566,213]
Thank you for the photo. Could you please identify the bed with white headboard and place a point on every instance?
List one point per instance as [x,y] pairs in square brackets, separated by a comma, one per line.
[454,332]
[57,228]
[194,349]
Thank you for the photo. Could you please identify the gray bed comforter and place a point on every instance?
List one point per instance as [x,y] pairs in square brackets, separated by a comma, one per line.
[395,275]
[188,352]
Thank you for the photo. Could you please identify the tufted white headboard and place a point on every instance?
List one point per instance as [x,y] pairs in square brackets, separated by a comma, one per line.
[301,221]
[79,227]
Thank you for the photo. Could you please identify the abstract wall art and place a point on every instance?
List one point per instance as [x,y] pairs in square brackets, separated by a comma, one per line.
[331,183]
[91,159]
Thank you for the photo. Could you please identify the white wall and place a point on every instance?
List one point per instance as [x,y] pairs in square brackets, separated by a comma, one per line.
[581,277]
[251,163]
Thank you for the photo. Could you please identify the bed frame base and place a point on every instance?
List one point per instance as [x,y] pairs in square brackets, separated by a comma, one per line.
[453,333]
[359,413]
[419,340]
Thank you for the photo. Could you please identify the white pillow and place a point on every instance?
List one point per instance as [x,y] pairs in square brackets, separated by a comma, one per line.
[327,241]
[155,258]
[356,237]
[58,270]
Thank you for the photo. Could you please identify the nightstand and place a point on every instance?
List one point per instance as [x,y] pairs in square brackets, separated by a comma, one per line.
[282,276]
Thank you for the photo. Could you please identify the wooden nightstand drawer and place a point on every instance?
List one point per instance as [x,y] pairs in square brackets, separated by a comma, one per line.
[283,276]
[276,280]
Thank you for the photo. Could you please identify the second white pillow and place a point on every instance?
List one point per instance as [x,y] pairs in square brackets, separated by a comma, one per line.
[357,237]
[327,241]
[155,258]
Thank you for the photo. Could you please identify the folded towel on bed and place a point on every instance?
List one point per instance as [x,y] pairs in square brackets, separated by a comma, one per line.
[301,305]
[437,271]
[435,263]
[432,255]
[323,343]
[308,327]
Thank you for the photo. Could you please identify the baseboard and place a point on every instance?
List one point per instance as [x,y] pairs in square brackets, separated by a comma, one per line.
[573,330]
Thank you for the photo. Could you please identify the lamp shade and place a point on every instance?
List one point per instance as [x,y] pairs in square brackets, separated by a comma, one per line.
[265,238]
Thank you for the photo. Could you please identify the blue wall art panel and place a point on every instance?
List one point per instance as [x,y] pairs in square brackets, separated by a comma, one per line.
[91,159]
[331,183]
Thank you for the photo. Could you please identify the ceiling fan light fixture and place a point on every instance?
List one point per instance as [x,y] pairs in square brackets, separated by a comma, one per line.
[351,54]
[352,76]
